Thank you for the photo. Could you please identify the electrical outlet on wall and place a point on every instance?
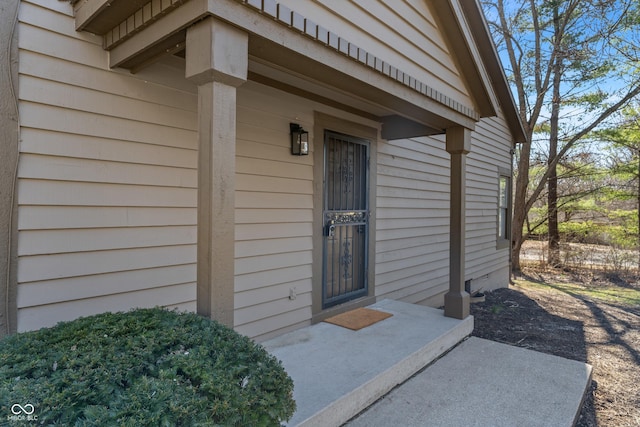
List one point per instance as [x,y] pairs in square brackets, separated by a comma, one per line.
[292,294]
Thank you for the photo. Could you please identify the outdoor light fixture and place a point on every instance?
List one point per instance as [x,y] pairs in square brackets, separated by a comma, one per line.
[299,140]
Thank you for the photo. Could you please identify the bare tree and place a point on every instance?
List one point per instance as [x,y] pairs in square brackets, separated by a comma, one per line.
[572,65]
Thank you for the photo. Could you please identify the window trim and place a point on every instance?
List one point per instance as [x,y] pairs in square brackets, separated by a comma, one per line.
[503,242]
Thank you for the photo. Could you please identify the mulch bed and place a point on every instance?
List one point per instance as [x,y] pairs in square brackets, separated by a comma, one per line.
[603,334]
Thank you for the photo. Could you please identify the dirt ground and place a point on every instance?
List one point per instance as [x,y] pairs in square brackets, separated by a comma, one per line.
[562,313]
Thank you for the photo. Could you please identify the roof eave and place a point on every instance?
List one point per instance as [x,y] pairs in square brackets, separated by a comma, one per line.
[491,60]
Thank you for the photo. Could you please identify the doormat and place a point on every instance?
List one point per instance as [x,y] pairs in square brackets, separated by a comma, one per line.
[358,318]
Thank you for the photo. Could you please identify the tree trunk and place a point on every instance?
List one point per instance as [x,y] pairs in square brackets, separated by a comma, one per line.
[534,33]
[520,205]
[552,183]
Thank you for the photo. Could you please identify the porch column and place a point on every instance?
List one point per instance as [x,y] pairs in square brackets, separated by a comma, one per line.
[456,301]
[216,60]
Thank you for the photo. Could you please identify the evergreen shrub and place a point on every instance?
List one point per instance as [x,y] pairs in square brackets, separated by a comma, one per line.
[146,367]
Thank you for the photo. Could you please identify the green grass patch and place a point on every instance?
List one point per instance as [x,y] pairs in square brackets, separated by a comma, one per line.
[606,293]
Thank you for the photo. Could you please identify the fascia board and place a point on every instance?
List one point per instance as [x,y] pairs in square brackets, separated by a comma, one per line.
[492,63]
[462,45]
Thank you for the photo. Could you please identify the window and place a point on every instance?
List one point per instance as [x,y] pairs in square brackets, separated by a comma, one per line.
[504,209]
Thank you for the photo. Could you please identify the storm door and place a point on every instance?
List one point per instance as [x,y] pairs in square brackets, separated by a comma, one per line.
[346,218]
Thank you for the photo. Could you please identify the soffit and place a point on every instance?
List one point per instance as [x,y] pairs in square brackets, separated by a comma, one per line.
[273,75]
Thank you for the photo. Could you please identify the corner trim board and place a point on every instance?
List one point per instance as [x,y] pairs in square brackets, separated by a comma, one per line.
[9,153]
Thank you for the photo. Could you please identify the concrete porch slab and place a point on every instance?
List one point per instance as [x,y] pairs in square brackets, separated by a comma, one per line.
[484,383]
[338,372]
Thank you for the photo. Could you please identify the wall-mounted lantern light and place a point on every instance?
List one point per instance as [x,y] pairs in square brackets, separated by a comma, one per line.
[299,140]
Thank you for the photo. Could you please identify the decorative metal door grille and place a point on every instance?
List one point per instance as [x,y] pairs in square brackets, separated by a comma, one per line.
[346,218]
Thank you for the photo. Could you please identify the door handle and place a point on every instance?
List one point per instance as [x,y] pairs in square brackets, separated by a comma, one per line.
[330,229]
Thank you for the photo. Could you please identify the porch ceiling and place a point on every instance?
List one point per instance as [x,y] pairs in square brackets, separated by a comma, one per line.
[286,50]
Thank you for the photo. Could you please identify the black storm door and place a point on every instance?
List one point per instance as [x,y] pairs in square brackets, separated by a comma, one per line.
[346,218]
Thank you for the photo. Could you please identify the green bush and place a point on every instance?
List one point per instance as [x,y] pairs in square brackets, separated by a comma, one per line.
[581,232]
[147,367]
[625,233]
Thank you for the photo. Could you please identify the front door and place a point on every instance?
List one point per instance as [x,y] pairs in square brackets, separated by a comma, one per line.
[346,218]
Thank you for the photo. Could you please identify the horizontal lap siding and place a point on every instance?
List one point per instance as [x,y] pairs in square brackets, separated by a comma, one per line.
[490,151]
[402,33]
[413,214]
[412,219]
[108,182]
[274,214]
[107,177]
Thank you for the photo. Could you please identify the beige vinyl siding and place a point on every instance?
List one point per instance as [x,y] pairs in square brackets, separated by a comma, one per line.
[108,183]
[403,33]
[32,317]
[107,177]
[412,213]
[274,207]
[274,211]
[486,266]
[107,194]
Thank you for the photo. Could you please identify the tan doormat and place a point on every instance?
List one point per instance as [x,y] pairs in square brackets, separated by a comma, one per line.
[358,318]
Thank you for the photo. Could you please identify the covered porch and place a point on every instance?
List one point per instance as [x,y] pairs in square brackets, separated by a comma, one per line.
[227,43]
[338,373]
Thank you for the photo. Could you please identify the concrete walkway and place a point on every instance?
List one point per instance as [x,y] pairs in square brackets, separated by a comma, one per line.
[496,385]
[338,373]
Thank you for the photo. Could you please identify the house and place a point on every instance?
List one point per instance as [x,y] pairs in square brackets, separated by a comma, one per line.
[148,158]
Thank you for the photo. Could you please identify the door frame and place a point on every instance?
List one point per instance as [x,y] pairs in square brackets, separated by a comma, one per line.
[324,122]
